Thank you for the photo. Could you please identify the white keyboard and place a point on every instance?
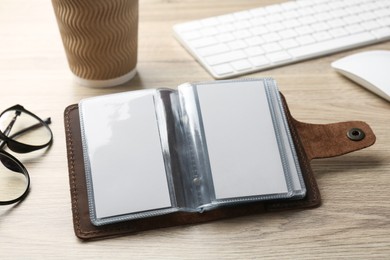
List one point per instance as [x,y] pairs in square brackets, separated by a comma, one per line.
[257,39]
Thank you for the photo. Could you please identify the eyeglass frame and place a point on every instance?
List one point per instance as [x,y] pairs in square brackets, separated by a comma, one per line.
[19,147]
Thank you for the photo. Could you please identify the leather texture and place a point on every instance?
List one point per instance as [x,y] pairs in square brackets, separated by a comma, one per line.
[311,141]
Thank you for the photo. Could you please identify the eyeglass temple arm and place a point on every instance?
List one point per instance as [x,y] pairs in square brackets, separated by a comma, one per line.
[11,124]
[46,121]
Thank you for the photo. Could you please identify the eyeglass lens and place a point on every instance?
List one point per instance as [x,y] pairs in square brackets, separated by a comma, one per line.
[24,128]
[13,182]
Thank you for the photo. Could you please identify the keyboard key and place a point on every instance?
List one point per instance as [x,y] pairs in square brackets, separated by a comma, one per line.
[241,65]
[354,28]
[278,56]
[223,58]
[235,45]
[242,34]
[351,19]
[338,32]
[209,31]
[382,32]
[226,37]
[259,61]
[254,41]
[322,36]
[254,51]
[306,39]
[288,34]
[272,47]
[222,69]
[320,26]
[384,21]
[272,18]
[291,23]
[307,20]
[273,27]
[259,30]
[366,16]
[370,25]
[303,30]
[213,49]
[224,28]
[290,14]
[203,42]
[331,45]
[289,43]
[323,17]
[272,37]
[242,25]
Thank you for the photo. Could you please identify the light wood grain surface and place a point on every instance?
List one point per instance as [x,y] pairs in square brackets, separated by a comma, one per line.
[353,221]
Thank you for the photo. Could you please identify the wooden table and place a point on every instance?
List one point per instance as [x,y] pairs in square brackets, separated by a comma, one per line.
[353,221]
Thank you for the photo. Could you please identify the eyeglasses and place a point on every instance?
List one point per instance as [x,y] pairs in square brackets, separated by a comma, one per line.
[22,132]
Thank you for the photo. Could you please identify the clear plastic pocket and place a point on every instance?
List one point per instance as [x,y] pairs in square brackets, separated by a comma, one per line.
[205,145]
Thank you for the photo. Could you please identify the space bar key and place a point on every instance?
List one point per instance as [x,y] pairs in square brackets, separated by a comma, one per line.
[331,45]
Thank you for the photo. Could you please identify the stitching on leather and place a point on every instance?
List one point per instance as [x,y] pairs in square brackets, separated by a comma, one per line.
[72,170]
[72,167]
[74,191]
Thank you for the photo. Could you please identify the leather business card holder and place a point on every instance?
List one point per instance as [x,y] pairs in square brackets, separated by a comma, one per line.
[311,141]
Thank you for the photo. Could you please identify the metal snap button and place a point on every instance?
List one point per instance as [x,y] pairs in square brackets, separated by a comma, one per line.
[356,134]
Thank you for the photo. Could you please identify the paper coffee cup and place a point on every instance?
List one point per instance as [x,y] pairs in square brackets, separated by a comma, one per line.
[100,39]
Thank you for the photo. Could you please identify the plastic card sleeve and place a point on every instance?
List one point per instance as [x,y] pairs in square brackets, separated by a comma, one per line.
[158,158]
[154,152]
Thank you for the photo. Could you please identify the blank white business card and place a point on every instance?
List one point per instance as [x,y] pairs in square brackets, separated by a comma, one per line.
[241,142]
[125,157]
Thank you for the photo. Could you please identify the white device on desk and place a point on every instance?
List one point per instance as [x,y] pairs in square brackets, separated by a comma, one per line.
[257,39]
[370,69]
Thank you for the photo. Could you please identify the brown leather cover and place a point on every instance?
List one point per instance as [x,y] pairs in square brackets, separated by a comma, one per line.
[311,141]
